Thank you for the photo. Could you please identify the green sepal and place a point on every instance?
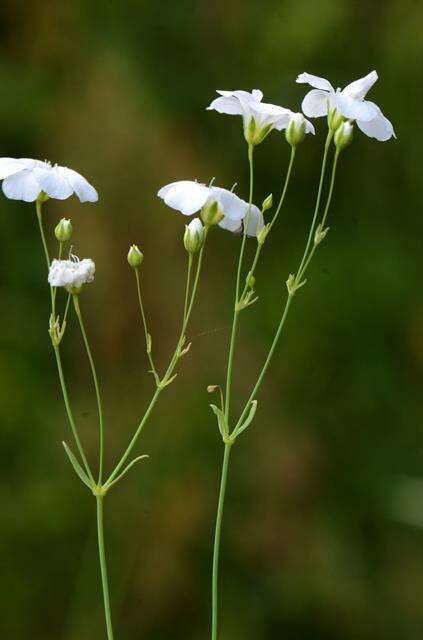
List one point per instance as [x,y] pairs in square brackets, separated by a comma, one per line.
[125,471]
[248,420]
[77,467]
[221,421]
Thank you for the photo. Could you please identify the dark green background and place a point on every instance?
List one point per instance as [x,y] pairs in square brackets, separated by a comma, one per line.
[315,545]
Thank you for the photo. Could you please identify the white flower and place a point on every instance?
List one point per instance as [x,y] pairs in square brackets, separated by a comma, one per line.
[259,117]
[24,179]
[297,128]
[189,197]
[72,273]
[349,102]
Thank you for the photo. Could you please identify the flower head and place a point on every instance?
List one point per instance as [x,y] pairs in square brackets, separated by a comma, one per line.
[259,117]
[72,273]
[190,197]
[349,102]
[26,179]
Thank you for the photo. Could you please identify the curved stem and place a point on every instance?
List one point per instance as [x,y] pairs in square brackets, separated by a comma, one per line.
[169,372]
[144,321]
[103,567]
[96,386]
[217,534]
[190,259]
[238,281]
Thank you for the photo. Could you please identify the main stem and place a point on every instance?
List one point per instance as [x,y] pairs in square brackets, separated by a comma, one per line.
[103,567]
[238,281]
[96,386]
[217,534]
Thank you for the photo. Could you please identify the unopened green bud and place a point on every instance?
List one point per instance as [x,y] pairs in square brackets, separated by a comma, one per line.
[320,234]
[267,203]
[296,130]
[343,135]
[194,236]
[135,257]
[250,280]
[212,213]
[335,118]
[63,230]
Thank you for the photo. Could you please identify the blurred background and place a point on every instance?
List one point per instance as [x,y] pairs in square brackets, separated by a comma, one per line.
[322,531]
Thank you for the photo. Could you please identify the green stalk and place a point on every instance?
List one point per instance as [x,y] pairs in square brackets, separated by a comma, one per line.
[144,322]
[169,372]
[96,386]
[217,535]
[103,567]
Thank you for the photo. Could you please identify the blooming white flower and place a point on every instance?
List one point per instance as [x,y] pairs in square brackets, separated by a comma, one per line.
[72,273]
[189,197]
[349,102]
[25,179]
[259,117]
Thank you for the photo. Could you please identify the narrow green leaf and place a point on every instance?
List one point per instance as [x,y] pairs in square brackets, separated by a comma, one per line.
[248,420]
[77,467]
[221,421]
[126,469]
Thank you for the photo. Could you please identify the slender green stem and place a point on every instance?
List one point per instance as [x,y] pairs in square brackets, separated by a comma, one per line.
[217,534]
[319,196]
[144,321]
[38,207]
[169,372]
[103,567]
[96,386]
[70,414]
[238,281]
[190,260]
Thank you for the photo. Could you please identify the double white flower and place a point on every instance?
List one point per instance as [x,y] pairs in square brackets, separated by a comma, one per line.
[72,273]
[189,197]
[25,179]
[259,117]
[349,102]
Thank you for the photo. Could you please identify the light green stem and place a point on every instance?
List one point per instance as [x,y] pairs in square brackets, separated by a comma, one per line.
[167,375]
[217,534]
[96,386]
[238,281]
[144,321]
[103,567]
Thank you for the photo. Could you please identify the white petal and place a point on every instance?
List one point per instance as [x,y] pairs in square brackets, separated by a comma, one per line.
[22,186]
[380,127]
[355,109]
[359,88]
[185,196]
[255,222]
[233,207]
[229,105]
[53,182]
[81,187]
[283,121]
[314,81]
[10,166]
[230,225]
[309,127]
[315,103]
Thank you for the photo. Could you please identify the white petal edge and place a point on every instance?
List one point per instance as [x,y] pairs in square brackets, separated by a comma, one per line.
[21,186]
[80,185]
[315,103]
[359,88]
[314,81]
[185,196]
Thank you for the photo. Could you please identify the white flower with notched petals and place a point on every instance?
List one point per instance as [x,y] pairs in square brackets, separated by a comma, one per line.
[25,179]
[72,273]
[259,117]
[349,102]
[189,197]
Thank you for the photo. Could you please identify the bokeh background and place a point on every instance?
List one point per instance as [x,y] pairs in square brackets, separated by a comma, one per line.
[322,532]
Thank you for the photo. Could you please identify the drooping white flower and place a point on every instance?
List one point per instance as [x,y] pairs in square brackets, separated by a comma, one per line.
[259,117]
[349,102]
[72,273]
[189,197]
[25,179]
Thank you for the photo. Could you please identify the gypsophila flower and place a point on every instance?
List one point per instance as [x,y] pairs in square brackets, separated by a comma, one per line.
[297,129]
[194,235]
[189,197]
[259,117]
[72,273]
[349,102]
[26,179]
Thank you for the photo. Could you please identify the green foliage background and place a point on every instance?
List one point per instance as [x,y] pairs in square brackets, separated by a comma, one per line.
[315,545]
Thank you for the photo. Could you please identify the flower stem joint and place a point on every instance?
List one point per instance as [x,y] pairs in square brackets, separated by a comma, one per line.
[292,285]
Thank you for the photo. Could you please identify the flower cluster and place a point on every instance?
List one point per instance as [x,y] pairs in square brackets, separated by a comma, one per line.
[72,273]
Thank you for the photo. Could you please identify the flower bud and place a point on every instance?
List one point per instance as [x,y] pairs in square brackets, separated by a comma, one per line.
[267,203]
[135,257]
[211,213]
[63,231]
[194,236]
[335,119]
[296,130]
[343,135]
